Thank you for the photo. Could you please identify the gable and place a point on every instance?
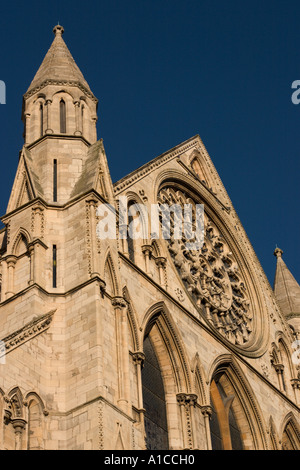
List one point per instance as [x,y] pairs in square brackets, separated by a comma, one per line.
[26,185]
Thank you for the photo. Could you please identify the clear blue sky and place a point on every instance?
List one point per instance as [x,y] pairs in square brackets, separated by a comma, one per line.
[164,71]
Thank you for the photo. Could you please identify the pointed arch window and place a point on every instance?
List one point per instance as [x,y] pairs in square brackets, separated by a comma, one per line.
[35,426]
[154,400]
[130,241]
[195,164]
[62,116]
[290,437]
[82,117]
[41,111]
[225,432]
[55,180]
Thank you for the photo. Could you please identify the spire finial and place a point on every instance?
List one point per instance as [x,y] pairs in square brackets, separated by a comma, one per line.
[278,252]
[58,30]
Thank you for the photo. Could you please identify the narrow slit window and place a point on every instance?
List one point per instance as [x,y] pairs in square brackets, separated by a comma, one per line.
[54,266]
[62,113]
[82,117]
[130,241]
[41,120]
[55,180]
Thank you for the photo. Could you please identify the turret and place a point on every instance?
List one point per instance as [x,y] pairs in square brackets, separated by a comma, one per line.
[287,292]
[59,115]
[59,100]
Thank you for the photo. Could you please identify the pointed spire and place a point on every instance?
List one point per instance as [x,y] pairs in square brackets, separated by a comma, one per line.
[58,66]
[286,288]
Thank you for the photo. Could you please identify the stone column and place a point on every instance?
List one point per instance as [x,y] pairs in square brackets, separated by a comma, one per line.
[123,236]
[206,412]
[94,259]
[161,264]
[94,134]
[19,426]
[296,387]
[187,403]
[120,307]
[207,312]
[32,270]
[279,369]
[138,359]
[3,280]
[27,116]
[11,264]
[77,118]
[48,129]
[147,250]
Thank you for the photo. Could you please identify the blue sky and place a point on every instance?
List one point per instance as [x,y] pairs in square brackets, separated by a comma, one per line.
[164,71]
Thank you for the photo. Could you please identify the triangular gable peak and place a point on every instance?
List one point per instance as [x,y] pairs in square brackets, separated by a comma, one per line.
[26,186]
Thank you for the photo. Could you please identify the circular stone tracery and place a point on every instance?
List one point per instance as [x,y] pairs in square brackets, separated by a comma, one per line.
[211,274]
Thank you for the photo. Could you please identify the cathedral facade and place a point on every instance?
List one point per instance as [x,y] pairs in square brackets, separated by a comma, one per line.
[133,342]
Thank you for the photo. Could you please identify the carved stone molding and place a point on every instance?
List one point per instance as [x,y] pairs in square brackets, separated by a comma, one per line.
[206,410]
[154,164]
[29,331]
[279,368]
[38,221]
[187,402]
[161,261]
[7,416]
[118,302]
[18,424]
[295,383]
[61,83]
[138,358]
[186,399]
[147,249]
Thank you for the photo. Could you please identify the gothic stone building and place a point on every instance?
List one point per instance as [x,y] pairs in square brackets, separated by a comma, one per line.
[128,342]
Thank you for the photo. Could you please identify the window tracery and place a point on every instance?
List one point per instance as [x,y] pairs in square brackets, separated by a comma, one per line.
[211,275]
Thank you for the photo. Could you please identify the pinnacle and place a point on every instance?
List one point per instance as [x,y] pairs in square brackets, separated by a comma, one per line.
[58,65]
[58,29]
[286,288]
[278,252]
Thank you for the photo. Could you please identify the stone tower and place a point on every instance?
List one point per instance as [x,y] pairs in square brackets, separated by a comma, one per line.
[119,342]
[287,293]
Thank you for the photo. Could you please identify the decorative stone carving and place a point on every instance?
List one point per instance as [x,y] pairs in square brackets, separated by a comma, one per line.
[138,358]
[119,302]
[7,416]
[31,329]
[265,370]
[211,275]
[187,402]
[179,294]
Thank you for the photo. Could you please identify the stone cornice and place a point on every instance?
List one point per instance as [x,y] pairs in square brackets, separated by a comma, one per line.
[57,136]
[74,83]
[50,206]
[98,399]
[29,331]
[155,163]
[74,289]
